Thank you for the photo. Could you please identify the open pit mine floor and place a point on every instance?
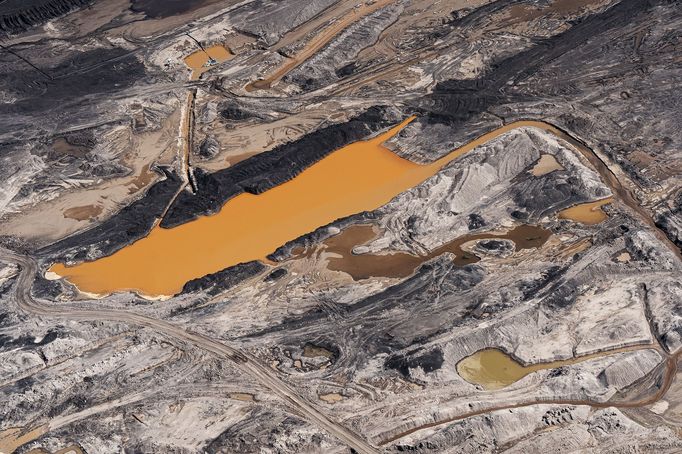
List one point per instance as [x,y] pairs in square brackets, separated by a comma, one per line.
[249,227]
[340,226]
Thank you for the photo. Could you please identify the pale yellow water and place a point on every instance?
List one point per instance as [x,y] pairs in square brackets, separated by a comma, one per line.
[493,369]
[361,176]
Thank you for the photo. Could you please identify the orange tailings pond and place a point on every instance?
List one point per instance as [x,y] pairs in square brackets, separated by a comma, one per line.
[358,177]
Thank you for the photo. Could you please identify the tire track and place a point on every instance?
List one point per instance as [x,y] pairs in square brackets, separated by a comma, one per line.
[244,362]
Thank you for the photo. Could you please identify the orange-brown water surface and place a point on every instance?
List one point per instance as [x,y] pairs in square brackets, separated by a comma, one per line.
[199,59]
[589,213]
[359,177]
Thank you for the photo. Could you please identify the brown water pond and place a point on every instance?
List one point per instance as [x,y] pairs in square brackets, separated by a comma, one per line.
[402,264]
[83,213]
[546,164]
[587,213]
[494,369]
[199,60]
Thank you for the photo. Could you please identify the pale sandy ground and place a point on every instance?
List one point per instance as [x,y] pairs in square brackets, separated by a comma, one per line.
[53,219]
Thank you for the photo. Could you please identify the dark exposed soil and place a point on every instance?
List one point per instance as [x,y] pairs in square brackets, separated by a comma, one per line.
[132,222]
[164,8]
[19,15]
[269,169]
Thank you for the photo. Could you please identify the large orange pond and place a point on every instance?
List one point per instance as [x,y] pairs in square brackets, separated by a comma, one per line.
[362,176]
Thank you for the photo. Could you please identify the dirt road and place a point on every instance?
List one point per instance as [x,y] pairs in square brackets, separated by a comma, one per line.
[244,362]
[317,43]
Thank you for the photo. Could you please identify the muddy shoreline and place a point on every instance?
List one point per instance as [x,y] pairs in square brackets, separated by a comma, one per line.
[253,175]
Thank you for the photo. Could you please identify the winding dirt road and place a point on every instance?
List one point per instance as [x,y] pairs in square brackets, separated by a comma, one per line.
[627,198]
[245,363]
[670,365]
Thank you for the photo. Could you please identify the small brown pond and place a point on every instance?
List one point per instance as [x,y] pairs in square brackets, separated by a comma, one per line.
[61,147]
[546,164]
[83,213]
[199,60]
[259,84]
[587,213]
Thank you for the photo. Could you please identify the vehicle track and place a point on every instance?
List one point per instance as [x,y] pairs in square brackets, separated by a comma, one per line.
[317,43]
[243,361]
[626,196]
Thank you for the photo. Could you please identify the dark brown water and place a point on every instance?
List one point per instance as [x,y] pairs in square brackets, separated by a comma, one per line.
[401,264]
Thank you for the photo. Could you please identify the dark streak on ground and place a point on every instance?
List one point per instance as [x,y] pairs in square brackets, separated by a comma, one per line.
[158,9]
[17,16]
[132,222]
